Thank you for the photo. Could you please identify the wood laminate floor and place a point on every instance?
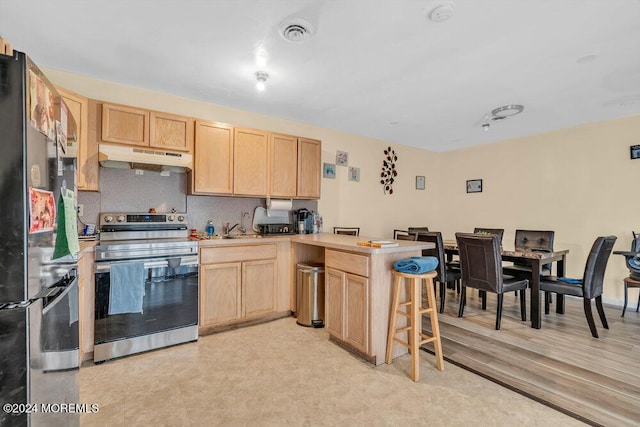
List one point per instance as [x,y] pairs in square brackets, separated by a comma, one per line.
[560,365]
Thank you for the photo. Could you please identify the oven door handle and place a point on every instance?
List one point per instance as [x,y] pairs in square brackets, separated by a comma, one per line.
[148,263]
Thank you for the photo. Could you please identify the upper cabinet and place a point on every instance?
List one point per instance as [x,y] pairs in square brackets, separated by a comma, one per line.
[283,163]
[78,106]
[213,159]
[136,126]
[250,164]
[309,157]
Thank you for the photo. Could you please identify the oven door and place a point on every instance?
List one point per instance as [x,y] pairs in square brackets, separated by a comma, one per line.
[169,299]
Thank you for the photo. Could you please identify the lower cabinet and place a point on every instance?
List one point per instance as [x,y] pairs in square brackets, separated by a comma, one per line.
[239,290]
[347,306]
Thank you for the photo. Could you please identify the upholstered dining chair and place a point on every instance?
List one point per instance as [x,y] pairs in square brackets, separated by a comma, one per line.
[398,232]
[351,231]
[481,266]
[632,259]
[406,236]
[497,231]
[445,274]
[417,229]
[590,286]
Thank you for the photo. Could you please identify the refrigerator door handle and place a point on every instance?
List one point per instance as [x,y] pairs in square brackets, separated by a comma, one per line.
[59,295]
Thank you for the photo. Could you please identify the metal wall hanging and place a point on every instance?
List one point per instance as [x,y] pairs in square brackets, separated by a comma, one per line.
[389,173]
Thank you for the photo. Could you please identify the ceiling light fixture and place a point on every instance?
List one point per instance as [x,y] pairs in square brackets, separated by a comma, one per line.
[261,77]
[500,113]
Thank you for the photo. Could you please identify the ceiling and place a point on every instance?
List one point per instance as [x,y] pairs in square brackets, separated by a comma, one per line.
[380,69]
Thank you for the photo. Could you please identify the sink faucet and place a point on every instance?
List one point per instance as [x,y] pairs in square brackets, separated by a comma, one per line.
[242,228]
[227,229]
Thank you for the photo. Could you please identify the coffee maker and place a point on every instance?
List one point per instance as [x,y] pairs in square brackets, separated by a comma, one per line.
[303,221]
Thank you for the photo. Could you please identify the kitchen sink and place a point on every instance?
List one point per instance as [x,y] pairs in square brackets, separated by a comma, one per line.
[241,236]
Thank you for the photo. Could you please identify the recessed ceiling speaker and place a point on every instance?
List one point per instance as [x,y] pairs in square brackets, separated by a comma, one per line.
[296,30]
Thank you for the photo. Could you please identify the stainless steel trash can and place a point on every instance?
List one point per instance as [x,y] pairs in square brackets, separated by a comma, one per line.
[310,295]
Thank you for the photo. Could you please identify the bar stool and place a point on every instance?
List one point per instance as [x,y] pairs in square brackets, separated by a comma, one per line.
[414,314]
[630,283]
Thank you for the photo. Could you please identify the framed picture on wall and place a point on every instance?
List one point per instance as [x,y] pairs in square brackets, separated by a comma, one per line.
[419,182]
[635,151]
[474,186]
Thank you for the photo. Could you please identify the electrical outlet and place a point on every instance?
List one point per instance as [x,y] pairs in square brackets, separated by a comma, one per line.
[80,209]
[139,172]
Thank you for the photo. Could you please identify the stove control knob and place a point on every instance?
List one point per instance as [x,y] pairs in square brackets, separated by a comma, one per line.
[120,218]
[170,218]
[180,218]
[108,218]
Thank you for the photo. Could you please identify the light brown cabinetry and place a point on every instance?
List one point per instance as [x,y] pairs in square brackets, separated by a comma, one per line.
[250,164]
[237,283]
[213,159]
[309,157]
[86,302]
[347,298]
[123,124]
[294,165]
[87,153]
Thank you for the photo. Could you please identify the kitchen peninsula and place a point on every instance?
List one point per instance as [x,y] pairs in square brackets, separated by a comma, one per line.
[357,287]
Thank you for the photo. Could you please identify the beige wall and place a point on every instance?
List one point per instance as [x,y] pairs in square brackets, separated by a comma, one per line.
[578,181]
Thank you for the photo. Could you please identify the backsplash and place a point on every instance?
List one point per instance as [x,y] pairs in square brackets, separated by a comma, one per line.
[121,190]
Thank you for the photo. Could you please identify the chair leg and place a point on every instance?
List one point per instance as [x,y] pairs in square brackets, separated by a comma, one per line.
[483,295]
[603,319]
[499,313]
[626,290]
[523,305]
[463,294]
[638,306]
[589,315]
[443,294]
[546,302]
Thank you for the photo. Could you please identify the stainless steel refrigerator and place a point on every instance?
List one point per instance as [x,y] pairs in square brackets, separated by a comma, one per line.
[39,351]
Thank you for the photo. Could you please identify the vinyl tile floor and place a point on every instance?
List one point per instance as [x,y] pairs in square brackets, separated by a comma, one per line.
[279,373]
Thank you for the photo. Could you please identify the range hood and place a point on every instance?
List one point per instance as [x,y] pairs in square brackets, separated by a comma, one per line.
[115,156]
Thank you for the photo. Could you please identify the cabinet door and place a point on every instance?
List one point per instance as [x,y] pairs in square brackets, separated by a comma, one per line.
[87,163]
[334,302]
[258,287]
[220,295]
[250,166]
[170,132]
[213,159]
[356,316]
[125,125]
[309,157]
[283,165]
[86,302]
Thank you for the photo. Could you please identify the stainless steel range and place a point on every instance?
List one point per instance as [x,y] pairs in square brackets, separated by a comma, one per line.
[146,282]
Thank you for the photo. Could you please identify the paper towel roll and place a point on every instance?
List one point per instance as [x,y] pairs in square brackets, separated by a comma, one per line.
[279,204]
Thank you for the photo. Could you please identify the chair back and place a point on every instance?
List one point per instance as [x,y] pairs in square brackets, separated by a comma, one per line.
[435,237]
[633,263]
[497,231]
[418,229]
[534,240]
[407,236]
[480,261]
[596,265]
[397,233]
[351,231]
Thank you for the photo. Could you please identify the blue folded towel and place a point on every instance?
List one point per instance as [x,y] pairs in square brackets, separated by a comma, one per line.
[570,281]
[416,264]
[126,291]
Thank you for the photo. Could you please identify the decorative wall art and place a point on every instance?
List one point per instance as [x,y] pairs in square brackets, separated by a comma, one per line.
[474,186]
[419,182]
[635,151]
[329,170]
[342,158]
[354,174]
[389,173]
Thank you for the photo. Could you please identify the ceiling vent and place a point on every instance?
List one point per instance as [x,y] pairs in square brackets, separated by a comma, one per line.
[442,12]
[296,30]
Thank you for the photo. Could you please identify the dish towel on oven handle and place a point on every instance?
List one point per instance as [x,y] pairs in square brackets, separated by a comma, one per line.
[126,291]
[416,264]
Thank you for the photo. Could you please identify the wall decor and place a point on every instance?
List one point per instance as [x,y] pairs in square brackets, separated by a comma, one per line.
[419,182]
[389,173]
[474,186]
[329,170]
[635,151]
[342,158]
[354,174]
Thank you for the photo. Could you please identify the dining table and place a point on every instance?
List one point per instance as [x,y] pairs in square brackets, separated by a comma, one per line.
[536,259]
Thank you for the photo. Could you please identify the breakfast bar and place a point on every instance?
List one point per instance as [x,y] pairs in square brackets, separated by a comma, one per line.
[357,287]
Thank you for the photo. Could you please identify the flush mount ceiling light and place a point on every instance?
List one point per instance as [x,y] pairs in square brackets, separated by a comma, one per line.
[442,12]
[261,78]
[296,30]
[500,113]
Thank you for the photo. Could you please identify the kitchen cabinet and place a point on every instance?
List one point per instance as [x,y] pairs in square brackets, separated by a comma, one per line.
[213,159]
[86,302]
[237,283]
[128,125]
[347,298]
[250,162]
[87,150]
[294,165]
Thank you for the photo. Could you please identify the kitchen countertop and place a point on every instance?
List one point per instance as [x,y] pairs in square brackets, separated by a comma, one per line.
[350,243]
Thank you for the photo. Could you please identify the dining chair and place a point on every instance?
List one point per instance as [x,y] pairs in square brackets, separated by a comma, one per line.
[417,229]
[351,231]
[590,286]
[530,240]
[407,236]
[445,274]
[632,259]
[398,232]
[481,267]
[497,231]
